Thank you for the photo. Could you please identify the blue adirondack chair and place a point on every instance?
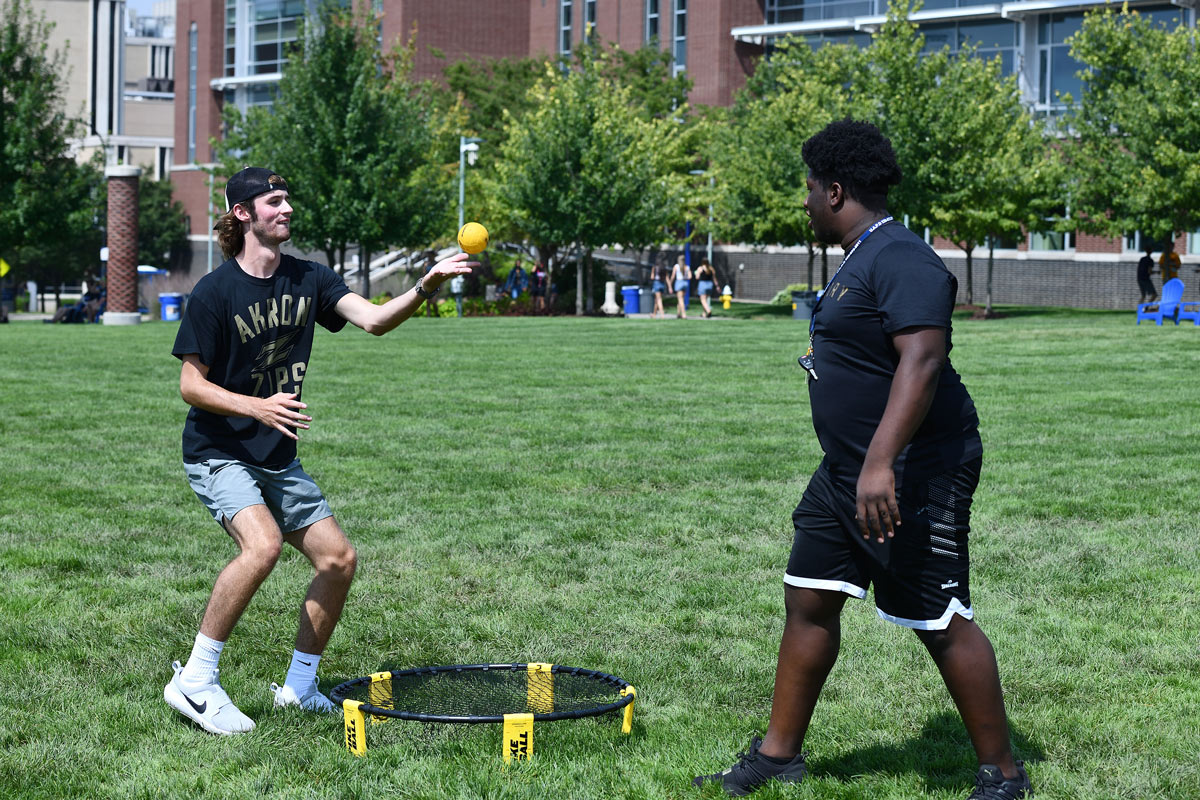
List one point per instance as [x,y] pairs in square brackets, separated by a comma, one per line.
[1167,305]
[1188,311]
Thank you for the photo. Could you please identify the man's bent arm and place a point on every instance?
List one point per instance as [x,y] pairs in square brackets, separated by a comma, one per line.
[277,411]
[922,355]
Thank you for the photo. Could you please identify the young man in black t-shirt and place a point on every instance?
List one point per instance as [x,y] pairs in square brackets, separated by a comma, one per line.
[890,503]
[245,341]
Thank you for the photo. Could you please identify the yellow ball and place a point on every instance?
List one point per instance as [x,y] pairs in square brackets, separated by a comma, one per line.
[473,238]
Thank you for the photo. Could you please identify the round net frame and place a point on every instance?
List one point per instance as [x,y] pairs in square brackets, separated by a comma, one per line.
[486,693]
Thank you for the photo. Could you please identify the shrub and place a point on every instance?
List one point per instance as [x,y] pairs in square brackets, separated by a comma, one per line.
[784,297]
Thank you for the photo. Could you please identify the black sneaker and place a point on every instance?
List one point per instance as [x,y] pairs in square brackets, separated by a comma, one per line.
[752,770]
[990,784]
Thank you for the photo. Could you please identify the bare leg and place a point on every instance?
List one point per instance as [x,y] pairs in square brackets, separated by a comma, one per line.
[258,536]
[333,557]
[807,652]
[680,309]
[965,658]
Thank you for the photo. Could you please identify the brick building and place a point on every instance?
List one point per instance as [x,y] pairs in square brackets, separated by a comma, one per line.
[232,52]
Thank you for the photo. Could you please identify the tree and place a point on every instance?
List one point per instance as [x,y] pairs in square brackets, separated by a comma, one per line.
[989,167]
[48,228]
[584,168]
[1135,158]
[759,174]
[360,144]
[162,225]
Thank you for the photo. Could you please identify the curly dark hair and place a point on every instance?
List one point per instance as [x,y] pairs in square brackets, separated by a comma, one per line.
[856,155]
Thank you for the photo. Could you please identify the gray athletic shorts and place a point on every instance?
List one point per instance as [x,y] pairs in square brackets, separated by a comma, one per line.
[226,487]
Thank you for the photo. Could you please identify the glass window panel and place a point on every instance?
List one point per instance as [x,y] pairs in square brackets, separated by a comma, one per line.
[681,25]
[266,9]
[1044,76]
[288,30]
[652,7]
[266,32]
[1167,17]
[1043,36]
[988,34]
[1062,77]
[935,4]
[681,52]
[266,52]
[937,37]
[1064,26]
[652,28]
[295,8]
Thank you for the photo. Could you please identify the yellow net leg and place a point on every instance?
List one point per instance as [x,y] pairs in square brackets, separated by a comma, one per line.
[518,737]
[539,692]
[627,721]
[356,727]
[379,694]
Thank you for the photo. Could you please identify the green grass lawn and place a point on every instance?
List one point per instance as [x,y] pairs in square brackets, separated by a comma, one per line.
[610,494]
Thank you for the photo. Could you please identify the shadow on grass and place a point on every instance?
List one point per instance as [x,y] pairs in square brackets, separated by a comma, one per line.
[941,754]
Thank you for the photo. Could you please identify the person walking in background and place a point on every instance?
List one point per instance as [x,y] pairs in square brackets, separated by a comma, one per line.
[245,343]
[1168,262]
[1145,285]
[890,503]
[681,276]
[706,280]
[516,281]
[658,286]
[537,287]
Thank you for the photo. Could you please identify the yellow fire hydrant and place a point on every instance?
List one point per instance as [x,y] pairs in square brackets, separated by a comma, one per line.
[726,296]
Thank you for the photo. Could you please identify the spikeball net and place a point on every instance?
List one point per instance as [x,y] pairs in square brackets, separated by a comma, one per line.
[516,695]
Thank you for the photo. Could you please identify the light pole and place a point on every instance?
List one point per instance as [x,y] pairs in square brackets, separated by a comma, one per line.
[468,151]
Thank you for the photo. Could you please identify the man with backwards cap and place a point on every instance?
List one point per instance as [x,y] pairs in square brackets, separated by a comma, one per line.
[245,340]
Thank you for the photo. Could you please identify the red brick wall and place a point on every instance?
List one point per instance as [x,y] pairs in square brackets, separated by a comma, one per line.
[1091,243]
[459,29]
[209,18]
[122,240]
[543,28]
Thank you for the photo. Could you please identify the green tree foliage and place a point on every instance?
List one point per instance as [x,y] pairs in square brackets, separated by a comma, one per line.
[162,225]
[364,149]
[48,202]
[586,168]
[754,149]
[989,170]
[1136,157]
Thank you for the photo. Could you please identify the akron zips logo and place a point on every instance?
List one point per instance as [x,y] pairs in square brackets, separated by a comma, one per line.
[271,365]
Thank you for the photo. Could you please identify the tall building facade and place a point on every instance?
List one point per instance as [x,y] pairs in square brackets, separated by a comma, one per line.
[119,78]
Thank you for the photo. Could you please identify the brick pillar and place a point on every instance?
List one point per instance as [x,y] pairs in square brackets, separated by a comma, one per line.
[122,245]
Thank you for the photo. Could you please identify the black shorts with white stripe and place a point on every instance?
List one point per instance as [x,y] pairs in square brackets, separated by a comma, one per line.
[921,576]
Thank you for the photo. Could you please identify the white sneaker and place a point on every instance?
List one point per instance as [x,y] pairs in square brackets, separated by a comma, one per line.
[311,700]
[208,706]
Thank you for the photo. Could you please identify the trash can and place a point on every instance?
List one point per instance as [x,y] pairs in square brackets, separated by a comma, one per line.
[803,304]
[630,302]
[171,304]
[646,297]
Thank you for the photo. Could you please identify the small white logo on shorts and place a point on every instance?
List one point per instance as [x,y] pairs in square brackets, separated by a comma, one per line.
[950,585]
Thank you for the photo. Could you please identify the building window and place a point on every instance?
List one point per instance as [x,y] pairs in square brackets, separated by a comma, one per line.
[1056,67]
[679,37]
[652,17]
[589,19]
[1193,243]
[990,38]
[779,12]
[564,27]
[193,56]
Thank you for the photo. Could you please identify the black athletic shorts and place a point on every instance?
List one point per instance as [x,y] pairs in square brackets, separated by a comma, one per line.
[921,575]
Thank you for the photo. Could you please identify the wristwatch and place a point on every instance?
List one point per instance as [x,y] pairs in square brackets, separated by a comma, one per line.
[420,287]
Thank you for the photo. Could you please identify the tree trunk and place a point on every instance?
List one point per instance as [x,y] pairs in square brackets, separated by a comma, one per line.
[812,255]
[364,266]
[590,282]
[578,286]
[987,312]
[970,294]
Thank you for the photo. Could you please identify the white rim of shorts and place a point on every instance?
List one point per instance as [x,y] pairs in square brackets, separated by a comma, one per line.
[939,624]
[829,586]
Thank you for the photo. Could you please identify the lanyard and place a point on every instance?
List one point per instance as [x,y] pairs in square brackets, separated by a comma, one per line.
[812,323]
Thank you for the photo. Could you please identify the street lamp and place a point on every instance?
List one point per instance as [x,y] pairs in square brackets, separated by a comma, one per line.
[468,152]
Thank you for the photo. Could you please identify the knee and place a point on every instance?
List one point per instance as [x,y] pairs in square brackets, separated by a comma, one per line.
[263,555]
[341,564]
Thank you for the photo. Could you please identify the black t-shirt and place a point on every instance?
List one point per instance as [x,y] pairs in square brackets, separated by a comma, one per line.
[891,282]
[255,336]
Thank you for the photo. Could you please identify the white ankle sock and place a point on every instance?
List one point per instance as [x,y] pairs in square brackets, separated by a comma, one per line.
[203,660]
[302,671]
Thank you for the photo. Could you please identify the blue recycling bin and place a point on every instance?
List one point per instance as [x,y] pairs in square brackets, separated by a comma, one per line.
[171,305]
[630,300]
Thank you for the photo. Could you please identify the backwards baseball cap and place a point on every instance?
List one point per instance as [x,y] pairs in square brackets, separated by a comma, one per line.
[250,183]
